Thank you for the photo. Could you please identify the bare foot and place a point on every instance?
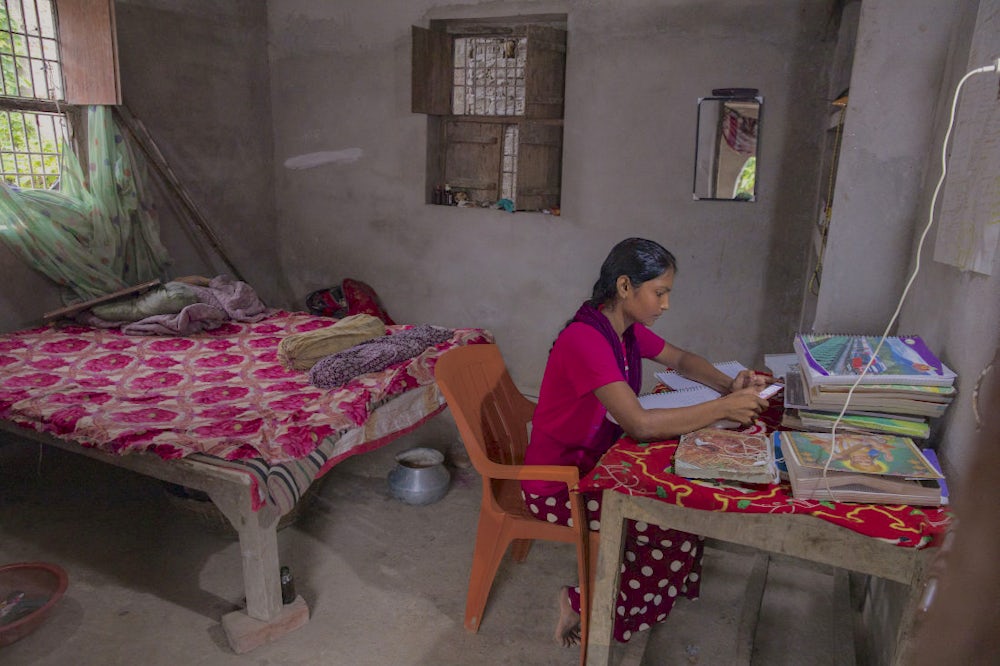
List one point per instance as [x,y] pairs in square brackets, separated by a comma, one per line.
[568,626]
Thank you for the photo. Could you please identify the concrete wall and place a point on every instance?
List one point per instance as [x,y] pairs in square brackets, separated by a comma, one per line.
[906,66]
[958,311]
[195,73]
[341,80]
[886,144]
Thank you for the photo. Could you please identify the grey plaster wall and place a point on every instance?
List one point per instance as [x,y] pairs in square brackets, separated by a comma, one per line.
[340,77]
[895,79]
[907,64]
[195,73]
[959,311]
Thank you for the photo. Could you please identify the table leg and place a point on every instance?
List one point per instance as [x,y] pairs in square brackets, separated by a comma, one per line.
[921,592]
[602,611]
[750,616]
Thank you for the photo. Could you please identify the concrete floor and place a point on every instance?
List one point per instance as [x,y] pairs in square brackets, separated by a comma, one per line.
[385,581]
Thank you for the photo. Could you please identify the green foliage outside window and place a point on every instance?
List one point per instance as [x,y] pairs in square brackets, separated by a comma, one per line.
[30,141]
[745,182]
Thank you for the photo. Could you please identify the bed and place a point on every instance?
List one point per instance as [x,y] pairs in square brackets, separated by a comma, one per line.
[215,412]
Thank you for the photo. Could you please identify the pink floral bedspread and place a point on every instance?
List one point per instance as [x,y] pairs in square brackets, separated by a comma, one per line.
[220,392]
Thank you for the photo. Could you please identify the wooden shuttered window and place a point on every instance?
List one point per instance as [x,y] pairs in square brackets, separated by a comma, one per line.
[89,51]
[472,158]
[539,166]
[546,72]
[467,152]
[430,89]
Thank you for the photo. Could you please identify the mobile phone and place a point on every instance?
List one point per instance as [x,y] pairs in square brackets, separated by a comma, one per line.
[770,390]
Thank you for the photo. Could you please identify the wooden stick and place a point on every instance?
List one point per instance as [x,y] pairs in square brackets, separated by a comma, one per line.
[159,162]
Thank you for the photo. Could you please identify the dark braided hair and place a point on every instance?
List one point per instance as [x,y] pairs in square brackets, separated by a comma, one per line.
[638,259]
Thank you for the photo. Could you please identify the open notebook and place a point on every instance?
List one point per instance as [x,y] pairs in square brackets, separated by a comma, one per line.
[687,392]
[672,379]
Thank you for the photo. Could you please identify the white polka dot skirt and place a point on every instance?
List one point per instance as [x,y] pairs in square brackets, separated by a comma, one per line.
[657,565]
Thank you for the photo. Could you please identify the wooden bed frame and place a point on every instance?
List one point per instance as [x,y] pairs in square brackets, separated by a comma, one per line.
[265,618]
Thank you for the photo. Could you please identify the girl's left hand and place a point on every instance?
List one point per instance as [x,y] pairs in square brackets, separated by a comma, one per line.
[750,379]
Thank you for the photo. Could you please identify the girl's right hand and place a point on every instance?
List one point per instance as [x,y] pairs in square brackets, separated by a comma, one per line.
[743,405]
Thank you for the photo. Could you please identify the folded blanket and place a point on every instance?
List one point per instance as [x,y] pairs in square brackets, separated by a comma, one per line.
[302,350]
[375,355]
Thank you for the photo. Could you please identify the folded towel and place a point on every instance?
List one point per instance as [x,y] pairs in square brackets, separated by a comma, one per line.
[375,355]
[302,350]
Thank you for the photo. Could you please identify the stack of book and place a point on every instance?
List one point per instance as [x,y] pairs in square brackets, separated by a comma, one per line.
[868,468]
[904,387]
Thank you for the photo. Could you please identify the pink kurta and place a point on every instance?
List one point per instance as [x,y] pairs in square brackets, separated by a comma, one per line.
[570,427]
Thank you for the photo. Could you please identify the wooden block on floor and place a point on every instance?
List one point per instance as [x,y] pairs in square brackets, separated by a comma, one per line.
[245,633]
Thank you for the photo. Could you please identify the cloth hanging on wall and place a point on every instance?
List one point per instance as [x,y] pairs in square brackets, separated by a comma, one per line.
[739,131]
[90,237]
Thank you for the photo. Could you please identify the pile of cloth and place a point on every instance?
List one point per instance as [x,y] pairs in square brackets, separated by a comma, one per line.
[354,346]
[180,308]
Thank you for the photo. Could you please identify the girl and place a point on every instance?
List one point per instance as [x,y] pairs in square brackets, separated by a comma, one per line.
[595,369]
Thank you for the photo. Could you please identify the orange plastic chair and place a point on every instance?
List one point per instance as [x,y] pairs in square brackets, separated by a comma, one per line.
[492,418]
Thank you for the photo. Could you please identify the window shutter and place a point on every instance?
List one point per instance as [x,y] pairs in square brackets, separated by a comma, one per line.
[539,165]
[89,51]
[432,71]
[545,72]
[472,160]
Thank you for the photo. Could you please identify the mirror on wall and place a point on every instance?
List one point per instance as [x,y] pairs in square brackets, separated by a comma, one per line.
[725,165]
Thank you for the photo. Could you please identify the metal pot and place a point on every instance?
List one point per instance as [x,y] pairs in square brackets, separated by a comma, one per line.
[419,476]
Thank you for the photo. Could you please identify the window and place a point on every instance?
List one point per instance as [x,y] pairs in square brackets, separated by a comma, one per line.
[54,55]
[493,93]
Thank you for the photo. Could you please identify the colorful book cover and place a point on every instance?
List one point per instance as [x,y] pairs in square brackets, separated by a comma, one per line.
[893,425]
[933,459]
[714,453]
[841,358]
[865,453]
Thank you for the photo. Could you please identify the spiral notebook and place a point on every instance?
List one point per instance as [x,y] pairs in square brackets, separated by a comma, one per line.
[839,359]
[671,379]
[687,392]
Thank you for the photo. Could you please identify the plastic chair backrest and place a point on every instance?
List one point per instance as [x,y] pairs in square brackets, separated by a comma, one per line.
[491,413]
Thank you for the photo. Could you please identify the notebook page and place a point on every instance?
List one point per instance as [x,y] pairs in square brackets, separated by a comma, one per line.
[671,379]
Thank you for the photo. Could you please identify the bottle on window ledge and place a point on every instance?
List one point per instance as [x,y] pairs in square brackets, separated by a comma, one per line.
[287,586]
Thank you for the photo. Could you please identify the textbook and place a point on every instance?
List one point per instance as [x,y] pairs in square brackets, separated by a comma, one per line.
[839,359]
[923,401]
[933,459]
[803,419]
[874,469]
[711,453]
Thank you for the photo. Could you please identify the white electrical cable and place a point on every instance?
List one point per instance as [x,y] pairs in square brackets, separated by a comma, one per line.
[994,67]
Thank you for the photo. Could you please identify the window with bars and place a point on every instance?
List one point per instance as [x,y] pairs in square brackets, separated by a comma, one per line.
[30,137]
[493,93]
[55,57]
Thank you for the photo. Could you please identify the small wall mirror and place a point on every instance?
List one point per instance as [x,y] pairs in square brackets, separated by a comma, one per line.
[727,137]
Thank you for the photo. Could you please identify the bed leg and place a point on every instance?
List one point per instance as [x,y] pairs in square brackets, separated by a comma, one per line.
[265,617]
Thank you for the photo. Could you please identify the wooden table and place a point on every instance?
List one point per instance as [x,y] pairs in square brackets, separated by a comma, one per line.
[794,534]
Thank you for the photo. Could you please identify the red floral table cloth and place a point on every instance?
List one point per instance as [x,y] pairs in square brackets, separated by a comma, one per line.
[637,468]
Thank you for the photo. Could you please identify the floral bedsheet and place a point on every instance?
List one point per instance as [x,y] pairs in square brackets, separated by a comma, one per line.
[221,393]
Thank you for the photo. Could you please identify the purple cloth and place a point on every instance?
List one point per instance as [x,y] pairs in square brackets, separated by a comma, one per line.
[375,355]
